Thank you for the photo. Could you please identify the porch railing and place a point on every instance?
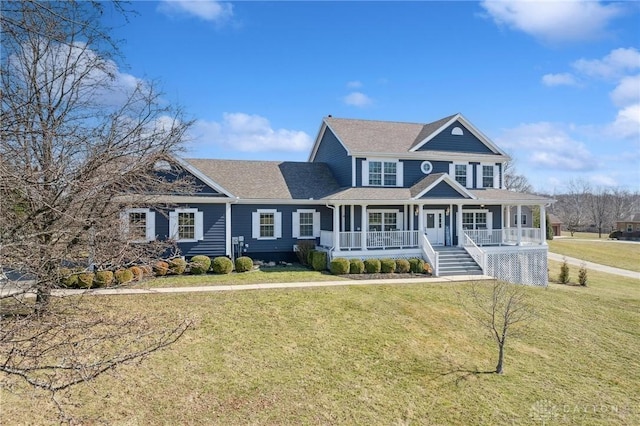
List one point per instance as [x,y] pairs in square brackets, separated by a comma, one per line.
[475,252]
[494,237]
[432,256]
[374,239]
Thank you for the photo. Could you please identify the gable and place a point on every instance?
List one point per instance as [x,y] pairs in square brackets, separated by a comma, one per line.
[456,138]
[177,171]
[330,150]
[442,190]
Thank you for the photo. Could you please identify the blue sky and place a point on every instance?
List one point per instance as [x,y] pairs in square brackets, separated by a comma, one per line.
[557,84]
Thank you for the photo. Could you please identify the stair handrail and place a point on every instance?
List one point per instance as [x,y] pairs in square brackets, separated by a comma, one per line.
[478,255]
[432,256]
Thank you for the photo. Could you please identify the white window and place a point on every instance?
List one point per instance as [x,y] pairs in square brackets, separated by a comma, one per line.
[384,220]
[477,219]
[139,225]
[523,219]
[186,225]
[266,224]
[629,227]
[305,224]
[378,172]
[462,173]
[488,175]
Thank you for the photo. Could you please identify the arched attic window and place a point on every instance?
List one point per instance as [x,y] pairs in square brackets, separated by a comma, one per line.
[457,131]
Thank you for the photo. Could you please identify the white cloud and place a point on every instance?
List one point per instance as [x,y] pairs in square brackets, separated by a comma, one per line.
[627,92]
[554,21]
[549,146]
[248,133]
[627,123]
[207,10]
[563,79]
[354,84]
[617,63]
[358,99]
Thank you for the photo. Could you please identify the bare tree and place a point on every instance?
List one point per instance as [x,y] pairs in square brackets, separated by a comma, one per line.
[599,206]
[76,135]
[514,181]
[572,207]
[502,309]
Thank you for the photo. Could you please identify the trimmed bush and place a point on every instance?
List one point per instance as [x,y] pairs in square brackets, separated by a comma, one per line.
[222,265]
[68,278]
[200,264]
[402,266]
[161,268]
[177,265]
[563,278]
[387,266]
[427,268]
[356,266]
[137,273]
[416,265]
[244,264]
[310,258]
[123,276]
[103,279]
[302,252]
[319,260]
[85,279]
[372,266]
[339,266]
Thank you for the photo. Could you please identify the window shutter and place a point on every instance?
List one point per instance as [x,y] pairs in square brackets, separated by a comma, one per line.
[452,171]
[316,224]
[295,224]
[365,173]
[199,225]
[400,174]
[255,225]
[496,176]
[399,221]
[470,176]
[124,222]
[278,224]
[151,226]
[173,225]
[479,174]
[489,221]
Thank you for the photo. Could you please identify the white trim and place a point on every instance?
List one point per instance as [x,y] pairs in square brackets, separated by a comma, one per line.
[255,224]
[436,156]
[198,225]
[399,217]
[150,223]
[452,183]
[354,167]
[399,172]
[495,183]
[426,167]
[295,224]
[469,173]
[465,123]
[204,178]
[227,230]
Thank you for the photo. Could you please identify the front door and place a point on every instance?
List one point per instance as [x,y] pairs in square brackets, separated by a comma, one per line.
[434,226]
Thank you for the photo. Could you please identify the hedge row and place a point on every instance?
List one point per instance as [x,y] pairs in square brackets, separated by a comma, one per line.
[198,265]
[341,266]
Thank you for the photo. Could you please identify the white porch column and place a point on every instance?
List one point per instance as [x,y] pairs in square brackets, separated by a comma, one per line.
[343,210]
[363,227]
[405,218]
[543,225]
[519,224]
[459,230]
[227,229]
[411,218]
[336,227]
[351,218]
[421,218]
[508,217]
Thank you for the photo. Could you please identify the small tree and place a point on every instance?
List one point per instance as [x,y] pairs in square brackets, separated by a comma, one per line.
[563,278]
[502,309]
[582,274]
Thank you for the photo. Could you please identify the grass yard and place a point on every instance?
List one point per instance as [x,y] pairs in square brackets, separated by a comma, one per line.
[611,253]
[403,354]
[271,274]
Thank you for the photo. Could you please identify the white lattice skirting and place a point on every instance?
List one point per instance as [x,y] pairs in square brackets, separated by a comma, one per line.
[521,267]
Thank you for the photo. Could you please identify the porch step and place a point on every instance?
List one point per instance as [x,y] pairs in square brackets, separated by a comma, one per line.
[456,261]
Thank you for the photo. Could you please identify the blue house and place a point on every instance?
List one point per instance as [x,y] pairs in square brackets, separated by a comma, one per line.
[369,189]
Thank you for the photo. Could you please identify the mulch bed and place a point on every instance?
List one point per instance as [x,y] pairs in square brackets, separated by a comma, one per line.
[383,276]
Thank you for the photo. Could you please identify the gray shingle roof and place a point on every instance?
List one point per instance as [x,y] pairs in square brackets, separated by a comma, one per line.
[269,179]
[381,136]
[503,195]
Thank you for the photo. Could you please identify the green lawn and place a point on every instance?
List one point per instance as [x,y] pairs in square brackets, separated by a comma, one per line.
[611,253]
[395,354]
[272,274]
